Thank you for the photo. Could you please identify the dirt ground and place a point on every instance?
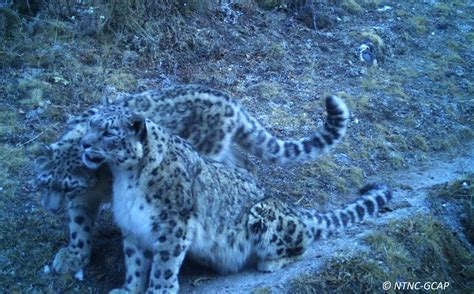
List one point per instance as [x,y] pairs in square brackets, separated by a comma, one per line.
[405,69]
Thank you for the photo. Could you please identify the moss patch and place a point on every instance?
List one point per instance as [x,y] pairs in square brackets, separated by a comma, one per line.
[352,6]
[12,159]
[419,24]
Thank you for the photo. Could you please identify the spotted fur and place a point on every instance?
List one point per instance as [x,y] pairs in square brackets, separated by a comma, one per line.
[170,202]
[208,119]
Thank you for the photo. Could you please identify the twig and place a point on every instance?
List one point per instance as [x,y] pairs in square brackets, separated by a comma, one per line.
[299,200]
[30,140]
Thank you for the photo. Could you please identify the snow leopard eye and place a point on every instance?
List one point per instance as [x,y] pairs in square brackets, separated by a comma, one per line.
[108,134]
[68,189]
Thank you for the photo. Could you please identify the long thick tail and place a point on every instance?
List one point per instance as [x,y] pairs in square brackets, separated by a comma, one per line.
[373,198]
[281,230]
[258,141]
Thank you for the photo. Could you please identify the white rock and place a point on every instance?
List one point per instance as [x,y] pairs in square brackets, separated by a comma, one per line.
[385,8]
[79,275]
[46,269]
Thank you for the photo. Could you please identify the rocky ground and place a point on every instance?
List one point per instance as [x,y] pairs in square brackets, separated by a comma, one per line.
[405,69]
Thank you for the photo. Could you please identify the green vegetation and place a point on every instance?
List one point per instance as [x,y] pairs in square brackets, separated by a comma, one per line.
[13,159]
[443,9]
[352,6]
[419,24]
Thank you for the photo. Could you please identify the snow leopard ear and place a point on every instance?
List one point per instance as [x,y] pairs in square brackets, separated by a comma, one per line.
[138,125]
[44,155]
[106,100]
[44,151]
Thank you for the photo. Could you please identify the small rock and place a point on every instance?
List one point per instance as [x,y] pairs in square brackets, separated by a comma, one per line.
[60,80]
[79,275]
[46,269]
[385,8]
[343,158]
[406,187]
[130,57]
[34,114]
[443,25]
[458,71]
[367,53]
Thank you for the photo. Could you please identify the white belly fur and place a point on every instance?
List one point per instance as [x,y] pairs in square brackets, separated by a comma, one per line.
[125,206]
[214,252]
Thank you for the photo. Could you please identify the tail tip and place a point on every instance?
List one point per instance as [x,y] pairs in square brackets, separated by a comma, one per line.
[333,101]
[336,105]
[377,189]
[370,187]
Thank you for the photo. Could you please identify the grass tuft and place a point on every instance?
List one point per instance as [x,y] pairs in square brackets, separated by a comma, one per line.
[460,194]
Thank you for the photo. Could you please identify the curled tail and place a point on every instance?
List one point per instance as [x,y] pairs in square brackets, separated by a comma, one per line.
[373,198]
[258,141]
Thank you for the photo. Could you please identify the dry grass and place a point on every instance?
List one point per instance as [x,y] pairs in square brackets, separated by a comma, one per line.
[59,59]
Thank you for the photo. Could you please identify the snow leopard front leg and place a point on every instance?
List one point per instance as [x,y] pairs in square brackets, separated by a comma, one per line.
[169,251]
[76,255]
[137,264]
